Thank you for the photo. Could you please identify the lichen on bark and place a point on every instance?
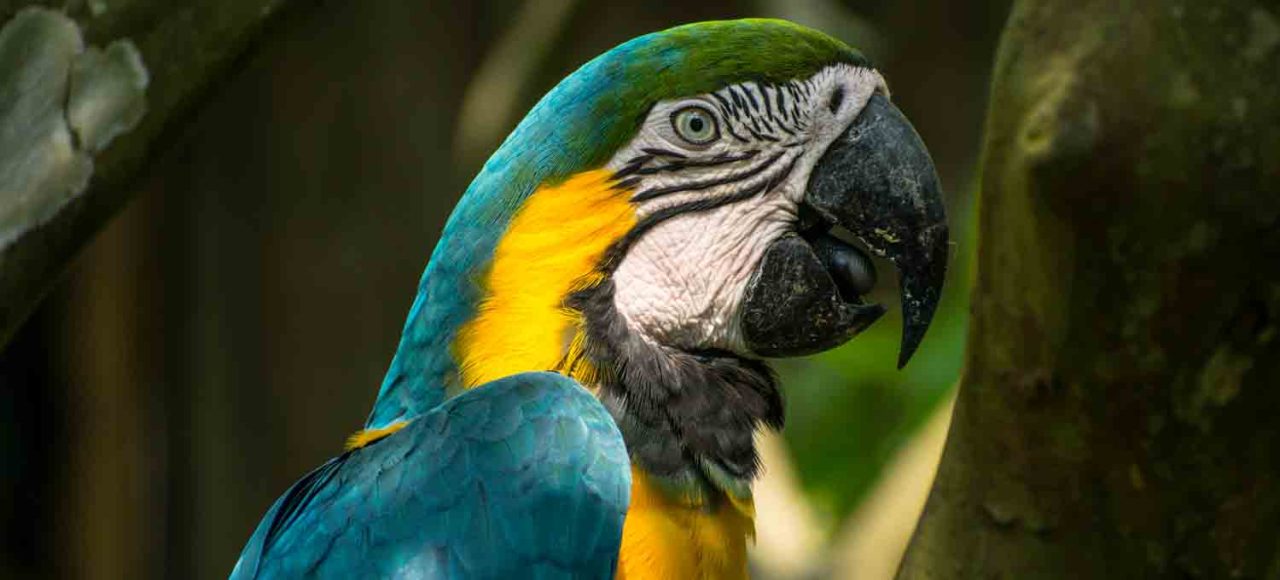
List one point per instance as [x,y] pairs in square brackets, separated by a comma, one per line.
[79,123]
[1117,414]
[60,103]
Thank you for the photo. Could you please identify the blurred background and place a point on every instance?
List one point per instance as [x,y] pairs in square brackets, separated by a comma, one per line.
[225,333]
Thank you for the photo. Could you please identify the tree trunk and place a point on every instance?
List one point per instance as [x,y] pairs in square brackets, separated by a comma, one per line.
[1119,416]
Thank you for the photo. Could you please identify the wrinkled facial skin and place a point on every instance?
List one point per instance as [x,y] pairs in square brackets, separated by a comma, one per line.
[725,183]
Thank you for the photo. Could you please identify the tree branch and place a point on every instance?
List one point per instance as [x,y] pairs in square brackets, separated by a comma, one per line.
[88,95]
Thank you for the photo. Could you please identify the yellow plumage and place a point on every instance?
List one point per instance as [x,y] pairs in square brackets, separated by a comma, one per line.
[552,247]
[664,537]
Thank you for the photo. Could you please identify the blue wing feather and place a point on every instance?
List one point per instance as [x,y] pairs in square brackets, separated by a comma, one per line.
[525,477]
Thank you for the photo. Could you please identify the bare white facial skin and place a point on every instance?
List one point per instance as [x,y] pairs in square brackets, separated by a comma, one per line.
[682,282]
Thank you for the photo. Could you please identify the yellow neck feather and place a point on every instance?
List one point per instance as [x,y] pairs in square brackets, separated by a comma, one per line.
[552,248]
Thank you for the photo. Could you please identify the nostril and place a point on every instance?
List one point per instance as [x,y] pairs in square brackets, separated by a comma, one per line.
[837,99]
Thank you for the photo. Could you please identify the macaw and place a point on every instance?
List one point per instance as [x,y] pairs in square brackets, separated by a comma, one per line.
[577,387]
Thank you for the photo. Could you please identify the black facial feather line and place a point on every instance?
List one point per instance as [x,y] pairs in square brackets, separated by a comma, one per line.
[757,169]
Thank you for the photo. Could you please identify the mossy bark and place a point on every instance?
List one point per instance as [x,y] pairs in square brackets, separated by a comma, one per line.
[1119,416]
[74,140]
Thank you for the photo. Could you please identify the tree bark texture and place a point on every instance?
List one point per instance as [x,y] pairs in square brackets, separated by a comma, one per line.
[89,89]
[1119,416]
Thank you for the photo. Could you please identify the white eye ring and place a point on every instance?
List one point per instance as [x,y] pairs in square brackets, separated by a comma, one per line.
[695,124]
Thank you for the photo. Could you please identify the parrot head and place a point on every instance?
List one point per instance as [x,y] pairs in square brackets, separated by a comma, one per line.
[737,191]
[679,209]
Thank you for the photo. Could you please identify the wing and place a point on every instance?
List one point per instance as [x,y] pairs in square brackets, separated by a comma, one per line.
[523,477]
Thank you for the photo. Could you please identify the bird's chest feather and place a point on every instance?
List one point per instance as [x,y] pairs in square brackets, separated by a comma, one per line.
[665,538]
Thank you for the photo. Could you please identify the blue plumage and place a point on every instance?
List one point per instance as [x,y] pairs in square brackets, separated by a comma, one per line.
[524,477]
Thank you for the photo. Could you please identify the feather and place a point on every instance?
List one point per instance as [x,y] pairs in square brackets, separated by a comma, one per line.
[526,476]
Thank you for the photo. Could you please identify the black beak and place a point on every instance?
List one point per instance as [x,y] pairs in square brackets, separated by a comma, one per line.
[877,181]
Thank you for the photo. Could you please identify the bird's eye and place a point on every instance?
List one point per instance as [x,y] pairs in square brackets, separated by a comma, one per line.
[695,125]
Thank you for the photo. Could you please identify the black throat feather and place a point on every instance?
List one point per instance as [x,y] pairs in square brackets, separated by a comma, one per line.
[688,418]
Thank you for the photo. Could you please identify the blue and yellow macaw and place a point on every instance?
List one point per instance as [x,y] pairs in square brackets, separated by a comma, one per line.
[581,375]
